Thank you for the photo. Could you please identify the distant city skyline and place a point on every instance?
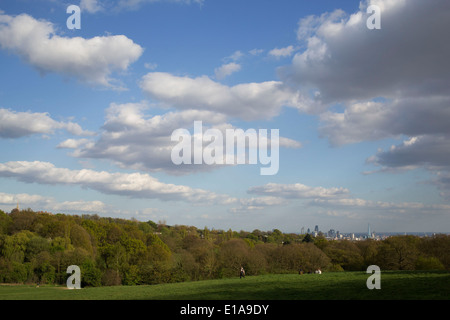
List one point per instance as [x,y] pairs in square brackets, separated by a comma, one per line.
[87,114]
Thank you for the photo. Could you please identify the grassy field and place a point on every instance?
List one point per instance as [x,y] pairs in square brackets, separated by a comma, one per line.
[329,286]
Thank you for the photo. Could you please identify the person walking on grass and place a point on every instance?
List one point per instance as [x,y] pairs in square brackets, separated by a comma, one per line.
[242,274]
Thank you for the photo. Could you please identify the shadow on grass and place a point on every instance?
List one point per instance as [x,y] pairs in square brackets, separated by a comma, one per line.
[394,286]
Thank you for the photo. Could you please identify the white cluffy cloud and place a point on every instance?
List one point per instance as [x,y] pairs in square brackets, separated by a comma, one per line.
[282,52]
[20,124]
[339,202]
[91,6]
[89,60]
[134,185]
[136,4]
[9,201]
[94,6]
[39,202]
[248,101]
[346,61]
[132,138]
[226,70]
[390,83]
[298,191]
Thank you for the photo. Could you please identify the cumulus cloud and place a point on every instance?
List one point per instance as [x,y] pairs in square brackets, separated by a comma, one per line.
[22,198]
[20,124]
[442,181]
[282,52]
[94,6]
[346,61]
[77,206]
[248,101]
[298,191]
[361,203]
[429,151]
[134,185]
[226,70]
[255,204]
[256,52]
[72,143]
[38,202]
[136,4]
[400,213]
[369,121]
[390,83]
[91,61]
[133,138]
[339,202]
[91,6]
[9,201]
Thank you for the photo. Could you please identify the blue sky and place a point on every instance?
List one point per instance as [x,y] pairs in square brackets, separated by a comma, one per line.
[86,115]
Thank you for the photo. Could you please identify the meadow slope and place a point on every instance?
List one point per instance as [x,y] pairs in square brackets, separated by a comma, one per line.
[395,285]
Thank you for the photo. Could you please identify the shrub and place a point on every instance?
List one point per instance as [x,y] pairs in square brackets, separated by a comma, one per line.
[430,263]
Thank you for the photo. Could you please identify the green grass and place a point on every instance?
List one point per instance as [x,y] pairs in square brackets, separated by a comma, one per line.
[330,286]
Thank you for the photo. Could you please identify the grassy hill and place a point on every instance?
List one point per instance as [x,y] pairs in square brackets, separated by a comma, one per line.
[406,285]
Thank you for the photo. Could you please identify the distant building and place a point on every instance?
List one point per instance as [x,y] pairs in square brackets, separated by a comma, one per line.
[370,233]
[331,233]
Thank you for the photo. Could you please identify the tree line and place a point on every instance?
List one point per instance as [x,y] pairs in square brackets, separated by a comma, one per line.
[37,247]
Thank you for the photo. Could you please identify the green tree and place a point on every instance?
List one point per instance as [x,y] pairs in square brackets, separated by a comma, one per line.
[232,255]
[14,247]
[430,263]
[134,248]
[346,254]
[90,275]
[18,273]
[80,238]
[157,250]
[369,251]
[36,245]
[113,233]
[5,221]
[204,260]
[43,268]
[437,246]
[22,220]
[314,258]
[398,253]
[308,238]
